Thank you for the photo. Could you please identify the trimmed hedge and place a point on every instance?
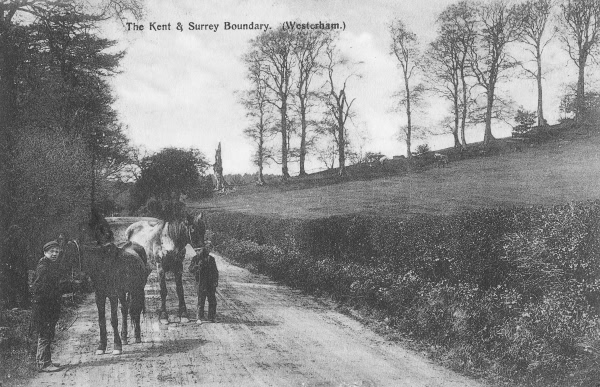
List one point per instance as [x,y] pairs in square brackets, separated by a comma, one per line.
[511,291]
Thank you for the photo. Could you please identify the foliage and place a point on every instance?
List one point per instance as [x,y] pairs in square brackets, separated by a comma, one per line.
[63,124]
[525,117]
[512,291]
[580,29]
[169,174]
[525,120]
[591,102]
[422,149]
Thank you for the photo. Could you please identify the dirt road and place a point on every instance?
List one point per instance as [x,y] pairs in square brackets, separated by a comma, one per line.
[266,335]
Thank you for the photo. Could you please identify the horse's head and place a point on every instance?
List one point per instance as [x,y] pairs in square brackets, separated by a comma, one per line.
[96,230]
[196,229]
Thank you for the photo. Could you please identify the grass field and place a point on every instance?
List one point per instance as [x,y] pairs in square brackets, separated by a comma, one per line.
[565,169]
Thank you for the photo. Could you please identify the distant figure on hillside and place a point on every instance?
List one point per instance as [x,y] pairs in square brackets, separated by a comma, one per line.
[13,270]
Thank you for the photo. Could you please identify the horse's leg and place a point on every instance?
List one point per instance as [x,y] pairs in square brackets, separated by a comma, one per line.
[183,314]
[163,315]
[114,321]
[137,304]
[101,305]
[125,301]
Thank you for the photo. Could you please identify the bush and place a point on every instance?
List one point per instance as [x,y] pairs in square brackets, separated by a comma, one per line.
[515,290]
[422,149]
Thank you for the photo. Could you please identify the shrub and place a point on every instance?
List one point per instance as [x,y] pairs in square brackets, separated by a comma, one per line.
[422,149]
[515,289]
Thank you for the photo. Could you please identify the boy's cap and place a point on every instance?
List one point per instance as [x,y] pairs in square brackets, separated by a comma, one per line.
[51,244]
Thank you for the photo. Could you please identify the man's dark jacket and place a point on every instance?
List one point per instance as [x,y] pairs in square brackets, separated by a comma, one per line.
[203,265]
[47,289]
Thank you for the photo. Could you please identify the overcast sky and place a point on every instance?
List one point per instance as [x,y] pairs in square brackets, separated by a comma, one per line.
[178,88]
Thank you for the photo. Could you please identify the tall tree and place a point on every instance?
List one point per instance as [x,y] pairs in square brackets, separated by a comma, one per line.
[15,15]
[81,63]
[498,26]
[309,46]
[169,173]
[579,32]
[275,50]
[338,104]
[449,61]
[535,15]
[255,101]
[405,48]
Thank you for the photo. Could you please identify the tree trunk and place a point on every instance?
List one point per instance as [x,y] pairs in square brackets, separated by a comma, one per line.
[488,137]
[302,138]
[580,97]
[540,105]
[342,142]
[465,109]
[260,156]
[456,120]
[408,118]
[284,145]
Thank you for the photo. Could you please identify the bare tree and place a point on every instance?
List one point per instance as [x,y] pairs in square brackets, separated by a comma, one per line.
[579,32]
[308,49]
[339,106]
[498,26]
[448,61]
[535,15]
[404,48]
[275,50]
[258,109]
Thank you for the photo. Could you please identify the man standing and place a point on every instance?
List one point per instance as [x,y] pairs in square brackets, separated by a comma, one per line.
[203,265]
[47,291]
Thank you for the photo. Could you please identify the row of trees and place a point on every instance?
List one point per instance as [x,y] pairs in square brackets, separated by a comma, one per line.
[473,53]
[298,80]
[298,85]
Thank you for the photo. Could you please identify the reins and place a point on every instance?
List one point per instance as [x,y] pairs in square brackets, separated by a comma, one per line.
[78,255]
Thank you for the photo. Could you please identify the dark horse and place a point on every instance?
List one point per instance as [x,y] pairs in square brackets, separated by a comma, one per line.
[119,274]
[165,244]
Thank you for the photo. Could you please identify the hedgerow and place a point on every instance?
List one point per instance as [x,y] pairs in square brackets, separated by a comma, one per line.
[513,292]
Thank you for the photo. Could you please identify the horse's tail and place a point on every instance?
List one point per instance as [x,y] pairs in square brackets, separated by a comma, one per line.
[137,302]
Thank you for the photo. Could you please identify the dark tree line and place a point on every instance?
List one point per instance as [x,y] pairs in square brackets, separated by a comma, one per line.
[59,136]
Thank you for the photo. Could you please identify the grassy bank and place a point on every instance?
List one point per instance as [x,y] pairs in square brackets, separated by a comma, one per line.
[512,293]
[18,343]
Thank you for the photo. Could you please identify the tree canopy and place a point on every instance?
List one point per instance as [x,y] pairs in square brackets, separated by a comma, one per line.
[168,174]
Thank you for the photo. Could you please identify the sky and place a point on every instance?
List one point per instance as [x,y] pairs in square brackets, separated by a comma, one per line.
[180,88]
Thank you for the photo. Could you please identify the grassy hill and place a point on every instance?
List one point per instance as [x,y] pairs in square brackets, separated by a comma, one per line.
[563,169]
[507,294]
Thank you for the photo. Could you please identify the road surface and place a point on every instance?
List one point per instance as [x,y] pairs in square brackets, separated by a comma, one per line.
[266,335]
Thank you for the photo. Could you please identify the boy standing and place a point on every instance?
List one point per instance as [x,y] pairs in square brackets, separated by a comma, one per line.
[203,265]
[46,304]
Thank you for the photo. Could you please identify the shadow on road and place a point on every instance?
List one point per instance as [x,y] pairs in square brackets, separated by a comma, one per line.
[141,353]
